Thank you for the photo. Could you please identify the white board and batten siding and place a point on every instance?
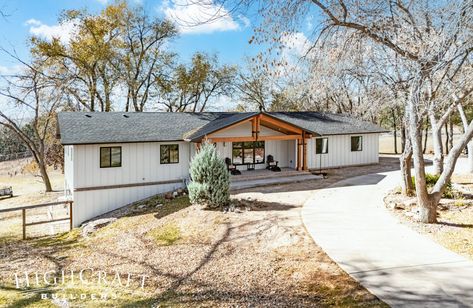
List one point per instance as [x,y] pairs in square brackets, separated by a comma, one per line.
[140,164]
[340,154]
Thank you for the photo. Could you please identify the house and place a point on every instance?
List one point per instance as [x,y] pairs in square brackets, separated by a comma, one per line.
[113,159]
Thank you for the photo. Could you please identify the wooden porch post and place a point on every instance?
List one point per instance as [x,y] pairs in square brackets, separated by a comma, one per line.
[305,167]
[299,154]
[257,127]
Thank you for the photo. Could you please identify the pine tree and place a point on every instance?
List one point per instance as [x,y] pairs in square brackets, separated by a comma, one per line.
[210,180]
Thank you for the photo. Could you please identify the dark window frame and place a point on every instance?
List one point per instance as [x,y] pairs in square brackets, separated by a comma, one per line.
[361,143]
[110,157]
[317,139]
[161,155]
[243,148]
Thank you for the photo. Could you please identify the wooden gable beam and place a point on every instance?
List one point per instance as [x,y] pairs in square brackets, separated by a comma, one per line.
[230,126]
[232,139]
[279,123]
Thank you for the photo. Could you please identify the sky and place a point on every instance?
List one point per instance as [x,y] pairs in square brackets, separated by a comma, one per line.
[227,36]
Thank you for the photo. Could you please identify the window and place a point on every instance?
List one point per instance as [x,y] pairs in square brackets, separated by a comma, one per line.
[169,153]
[110,157]
[321,146]
[356,143]
[248,152]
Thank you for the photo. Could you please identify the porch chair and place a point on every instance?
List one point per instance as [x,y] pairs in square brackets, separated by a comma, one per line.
[272,164]
[231,167]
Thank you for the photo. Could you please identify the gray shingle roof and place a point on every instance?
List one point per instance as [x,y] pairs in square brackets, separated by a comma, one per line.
[328,123]
[120,127]
[222,122]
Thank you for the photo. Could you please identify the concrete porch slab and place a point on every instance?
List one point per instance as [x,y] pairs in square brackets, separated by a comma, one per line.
[258,182]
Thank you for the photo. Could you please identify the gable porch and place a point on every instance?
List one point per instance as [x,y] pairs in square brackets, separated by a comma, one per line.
[249,142]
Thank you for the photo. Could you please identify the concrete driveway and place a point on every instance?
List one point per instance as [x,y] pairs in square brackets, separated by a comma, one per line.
[400,266]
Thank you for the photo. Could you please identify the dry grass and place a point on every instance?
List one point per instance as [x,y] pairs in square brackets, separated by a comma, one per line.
[386,143]
[261,257]
[28,189]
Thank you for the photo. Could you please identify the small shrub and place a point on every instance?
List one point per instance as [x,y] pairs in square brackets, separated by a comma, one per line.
[210,183]
[166,235]
[431,179]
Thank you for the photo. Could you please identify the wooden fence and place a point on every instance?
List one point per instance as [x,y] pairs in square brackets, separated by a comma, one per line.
[23,210]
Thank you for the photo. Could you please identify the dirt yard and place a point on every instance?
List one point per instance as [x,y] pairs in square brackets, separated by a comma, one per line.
[259,255]
[27,188]
[386,142]
[454,229]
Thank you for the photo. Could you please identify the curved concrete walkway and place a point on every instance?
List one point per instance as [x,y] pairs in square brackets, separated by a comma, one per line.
[398,265]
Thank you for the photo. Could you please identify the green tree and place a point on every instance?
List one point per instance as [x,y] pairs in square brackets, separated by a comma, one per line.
[210,178]
[119,48]
[192,87]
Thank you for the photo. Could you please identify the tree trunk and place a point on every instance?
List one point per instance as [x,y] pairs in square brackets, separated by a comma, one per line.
[447,140]
[469,146]
[395,130]
[426,136]
[403,138]
[450,134]
[405,160]
[437,146]
[44,175]
[427,206]
[428,209]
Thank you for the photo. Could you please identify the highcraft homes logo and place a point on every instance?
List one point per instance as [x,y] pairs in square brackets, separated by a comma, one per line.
[53,285]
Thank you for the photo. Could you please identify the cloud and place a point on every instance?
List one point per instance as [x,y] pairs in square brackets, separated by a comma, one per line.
[104,2]
[192,17]
[295,43]
[10,70]
[246,22]
[62,31]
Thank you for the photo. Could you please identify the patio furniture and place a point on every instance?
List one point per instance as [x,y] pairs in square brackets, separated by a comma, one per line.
[6,191]
[231,167]
[272,164]
[250,166]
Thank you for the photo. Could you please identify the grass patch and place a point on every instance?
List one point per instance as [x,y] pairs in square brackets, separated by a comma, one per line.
[67,239]
[97,296]
[431,179]
[148,213]
[165,235]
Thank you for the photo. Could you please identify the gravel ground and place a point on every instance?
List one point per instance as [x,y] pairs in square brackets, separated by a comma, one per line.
[257,256]
[454,229]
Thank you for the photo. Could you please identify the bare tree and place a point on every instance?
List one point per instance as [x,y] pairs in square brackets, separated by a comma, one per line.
[30,103]
[143,55]
[430,38]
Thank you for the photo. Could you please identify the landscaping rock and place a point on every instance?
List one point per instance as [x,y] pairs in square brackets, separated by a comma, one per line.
[410,203]
[168,196]
[175,194]
[142,206]
[92,226]
[159,205]
[399,206]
